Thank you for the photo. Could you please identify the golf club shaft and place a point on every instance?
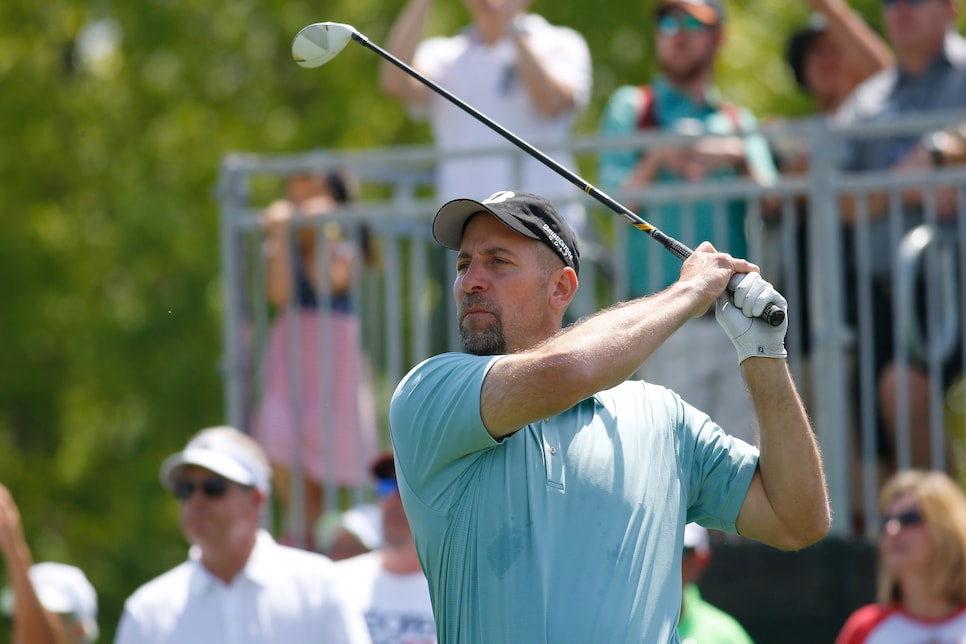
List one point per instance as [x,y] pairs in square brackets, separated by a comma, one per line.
[772,314]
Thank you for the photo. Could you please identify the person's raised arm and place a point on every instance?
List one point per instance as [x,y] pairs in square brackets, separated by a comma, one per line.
[601,351]
[551,95]
[864,52]
[31,622]
[277,251]
[404,36]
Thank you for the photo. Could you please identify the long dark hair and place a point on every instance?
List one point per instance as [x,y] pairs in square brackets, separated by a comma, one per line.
[339,189]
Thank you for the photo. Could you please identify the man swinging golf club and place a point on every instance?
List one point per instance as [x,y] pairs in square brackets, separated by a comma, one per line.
[548,495]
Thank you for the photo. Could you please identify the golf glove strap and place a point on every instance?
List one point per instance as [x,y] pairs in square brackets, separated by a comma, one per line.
[738,316]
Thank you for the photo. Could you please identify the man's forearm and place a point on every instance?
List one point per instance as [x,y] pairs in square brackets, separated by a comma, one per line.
[597,353]
[790,463]
[644,172]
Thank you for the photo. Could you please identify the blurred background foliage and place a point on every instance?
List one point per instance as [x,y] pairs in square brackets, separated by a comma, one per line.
[115,116]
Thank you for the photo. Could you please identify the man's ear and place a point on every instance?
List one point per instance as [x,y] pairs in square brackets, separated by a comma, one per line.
[260,497]
[719,36]
[564,287]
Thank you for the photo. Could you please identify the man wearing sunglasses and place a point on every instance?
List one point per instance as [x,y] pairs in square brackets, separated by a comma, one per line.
[689,34]
[388,584]
[238,585]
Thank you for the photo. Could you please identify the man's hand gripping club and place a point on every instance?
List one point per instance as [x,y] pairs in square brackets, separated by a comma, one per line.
[740,294]
[738,313]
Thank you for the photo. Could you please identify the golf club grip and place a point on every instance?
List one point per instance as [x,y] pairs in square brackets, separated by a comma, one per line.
[773,314]
[678,249]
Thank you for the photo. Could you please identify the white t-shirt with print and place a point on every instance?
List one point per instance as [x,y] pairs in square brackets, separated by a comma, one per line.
[397,608]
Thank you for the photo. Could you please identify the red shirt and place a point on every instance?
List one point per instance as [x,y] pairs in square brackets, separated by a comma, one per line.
[876,624]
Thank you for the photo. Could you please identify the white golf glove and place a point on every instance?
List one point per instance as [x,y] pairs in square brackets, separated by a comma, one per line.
[738,316]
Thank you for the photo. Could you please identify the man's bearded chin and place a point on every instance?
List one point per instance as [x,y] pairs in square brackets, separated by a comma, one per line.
[488,341]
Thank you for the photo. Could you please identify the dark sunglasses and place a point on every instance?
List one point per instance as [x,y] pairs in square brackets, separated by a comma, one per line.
[386,487]
[891,3]
[669,24]
[213,487]
[907,518]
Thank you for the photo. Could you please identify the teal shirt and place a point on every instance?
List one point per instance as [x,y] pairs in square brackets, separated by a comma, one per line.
[702,623]
[650,266]
[571,529]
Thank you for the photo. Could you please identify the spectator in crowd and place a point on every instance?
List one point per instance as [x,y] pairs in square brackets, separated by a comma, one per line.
[701,622]
[388,584]
[835,52]
[237,585]
[524,73]
[683,98]
[547,493]
[328,421]
[356,531]
[929,75]
[921,590]
[50,603]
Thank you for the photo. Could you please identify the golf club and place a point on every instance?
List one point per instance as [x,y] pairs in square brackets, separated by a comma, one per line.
[319,43]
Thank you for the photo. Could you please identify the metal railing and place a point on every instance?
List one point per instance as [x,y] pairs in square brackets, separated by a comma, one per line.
[406,312]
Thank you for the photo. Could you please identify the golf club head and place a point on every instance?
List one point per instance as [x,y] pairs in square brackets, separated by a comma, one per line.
[319,43]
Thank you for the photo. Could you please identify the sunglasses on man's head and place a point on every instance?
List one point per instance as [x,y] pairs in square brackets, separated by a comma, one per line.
[670,24]
[904,519]
[213,487]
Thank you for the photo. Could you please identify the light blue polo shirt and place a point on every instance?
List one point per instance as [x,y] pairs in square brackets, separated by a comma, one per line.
[651,268]
[571,529]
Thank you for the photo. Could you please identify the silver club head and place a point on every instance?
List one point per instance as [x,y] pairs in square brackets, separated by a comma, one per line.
[319,43]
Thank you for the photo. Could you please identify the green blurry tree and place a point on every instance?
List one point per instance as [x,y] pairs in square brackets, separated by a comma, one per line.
[115,116]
